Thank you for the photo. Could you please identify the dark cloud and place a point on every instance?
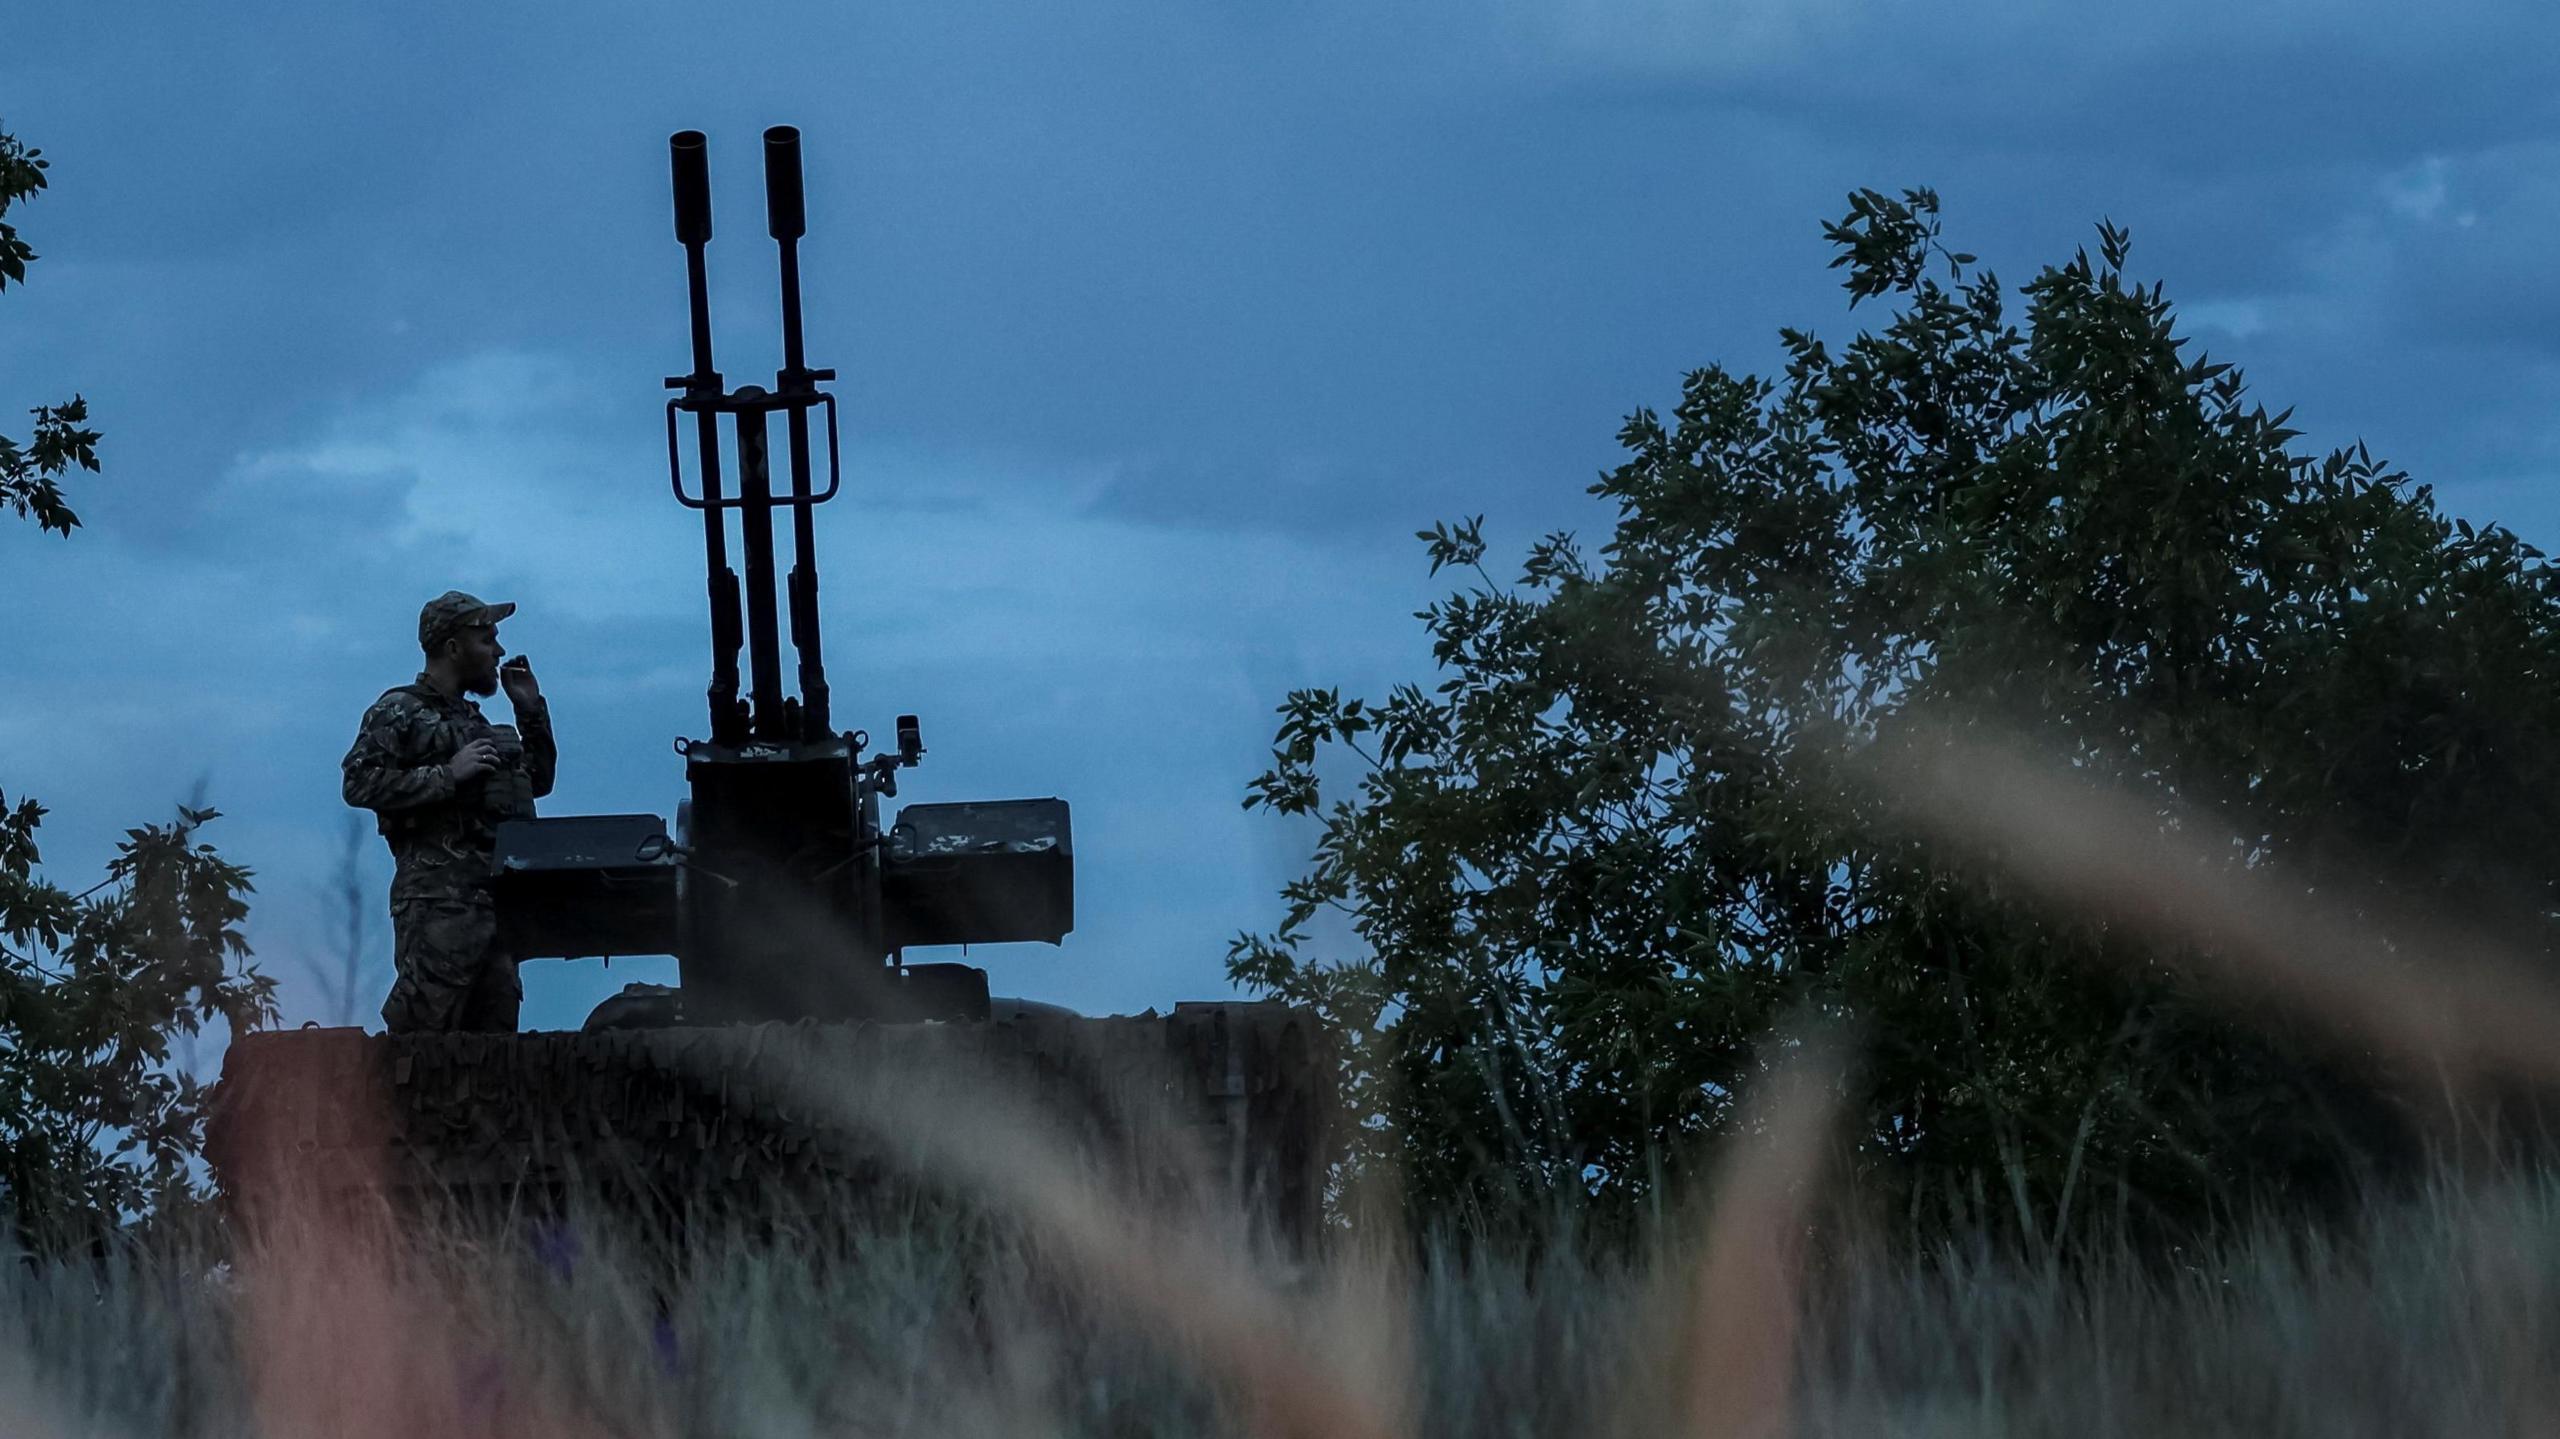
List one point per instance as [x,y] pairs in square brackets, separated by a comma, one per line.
[2186,87]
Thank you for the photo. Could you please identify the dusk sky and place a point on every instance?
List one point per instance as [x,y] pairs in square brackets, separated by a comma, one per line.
[1161,328]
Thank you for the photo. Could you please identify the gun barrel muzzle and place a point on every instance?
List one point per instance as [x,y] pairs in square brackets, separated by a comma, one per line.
[787,217]
[692,165]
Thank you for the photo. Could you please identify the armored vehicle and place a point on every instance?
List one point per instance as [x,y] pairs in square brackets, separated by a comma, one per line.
[795,910]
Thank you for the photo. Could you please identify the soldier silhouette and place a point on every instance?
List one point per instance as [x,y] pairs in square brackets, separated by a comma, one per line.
[439,777]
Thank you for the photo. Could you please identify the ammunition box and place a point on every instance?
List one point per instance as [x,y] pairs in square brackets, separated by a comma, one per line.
[980,873]
[586,885]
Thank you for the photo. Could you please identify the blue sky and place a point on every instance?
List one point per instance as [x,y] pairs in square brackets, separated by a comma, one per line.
[1161,326]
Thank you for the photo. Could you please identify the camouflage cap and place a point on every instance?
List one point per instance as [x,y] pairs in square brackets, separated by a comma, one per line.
[454,610]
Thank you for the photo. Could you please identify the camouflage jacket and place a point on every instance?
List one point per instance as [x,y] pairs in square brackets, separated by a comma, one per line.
[443,835]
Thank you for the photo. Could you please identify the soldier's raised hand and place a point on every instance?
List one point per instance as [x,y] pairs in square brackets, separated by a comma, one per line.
[473,760]
[522,688]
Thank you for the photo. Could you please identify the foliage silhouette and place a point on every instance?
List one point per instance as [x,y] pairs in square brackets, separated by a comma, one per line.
[31,474]
[99,1125]
[1572,885]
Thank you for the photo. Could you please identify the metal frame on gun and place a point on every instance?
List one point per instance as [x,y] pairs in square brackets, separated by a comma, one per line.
[735,404]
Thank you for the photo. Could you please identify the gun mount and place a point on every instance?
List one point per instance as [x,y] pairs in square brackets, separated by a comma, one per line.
[778,889]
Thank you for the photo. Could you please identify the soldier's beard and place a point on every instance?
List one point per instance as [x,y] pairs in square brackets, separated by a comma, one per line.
[483,684]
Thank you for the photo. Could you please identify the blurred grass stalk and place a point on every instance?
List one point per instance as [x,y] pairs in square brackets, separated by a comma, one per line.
[2420,991]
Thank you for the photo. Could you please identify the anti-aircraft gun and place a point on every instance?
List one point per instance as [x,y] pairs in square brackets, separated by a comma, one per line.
[780,891]
[790,906]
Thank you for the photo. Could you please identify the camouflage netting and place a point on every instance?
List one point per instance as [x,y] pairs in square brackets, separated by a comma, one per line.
[1224,1099]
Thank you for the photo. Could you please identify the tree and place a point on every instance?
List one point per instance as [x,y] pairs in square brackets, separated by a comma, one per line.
[1579,880]
[31,475]
[98,1125]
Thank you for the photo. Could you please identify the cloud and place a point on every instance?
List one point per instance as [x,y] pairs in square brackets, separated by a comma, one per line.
[2419,192]
[2235,319]
[1713,37]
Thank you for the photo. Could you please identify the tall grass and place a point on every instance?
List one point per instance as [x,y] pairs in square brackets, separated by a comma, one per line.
[2431,1316]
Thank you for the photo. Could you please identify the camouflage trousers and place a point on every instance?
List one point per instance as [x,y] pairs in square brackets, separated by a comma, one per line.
[453,975]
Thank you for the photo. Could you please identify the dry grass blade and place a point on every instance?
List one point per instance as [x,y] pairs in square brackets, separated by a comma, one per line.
[1327,1370]
[1734,1371]
[2101,852]
[338,1342]
[357,1326]
[26,1409]
[351,1326]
